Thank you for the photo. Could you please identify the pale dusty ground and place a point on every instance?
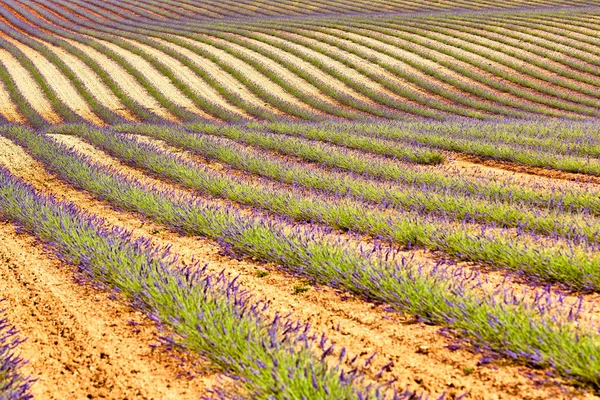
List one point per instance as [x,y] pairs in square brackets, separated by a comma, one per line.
[125,81]
[542,60]
[220,75]
[59,83]
[157,79]
[315,74]
[423,61]
[82,341]
[418,352]
[28,87]
[528,175]
[187,76]
[7,108]
[252,74]
[344,70]
[93,83]
[372,67]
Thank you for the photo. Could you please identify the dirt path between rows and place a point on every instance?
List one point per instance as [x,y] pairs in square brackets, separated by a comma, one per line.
[153,75]
[254,76]
[189,78]
[125,82]
[93,83]
[418,352]
[79,343]
[220,75]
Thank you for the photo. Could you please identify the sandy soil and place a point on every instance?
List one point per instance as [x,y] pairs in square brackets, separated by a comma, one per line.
[465,38]
[7,109]
[427,62]
[371,66]
[318,75]
[31,10]
[167,88]
[93,83]
[63,88]
[126,82]
[491,77]
[527,173]
[493,279]
[554,37]
[187,76]
[484,61]
[29,87]
[79,343]
[82,341]
[418,352]
[528,49]
[221,76]
[22,19]
[252,74]
[65,11]
[318,78]
[346,71]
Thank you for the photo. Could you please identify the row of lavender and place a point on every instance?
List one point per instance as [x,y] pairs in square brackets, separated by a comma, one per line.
[353,63]
[570,146]
[480,59]
[530,152]
[541,331]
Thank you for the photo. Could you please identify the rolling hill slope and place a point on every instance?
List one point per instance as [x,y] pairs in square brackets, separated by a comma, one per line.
[135,61]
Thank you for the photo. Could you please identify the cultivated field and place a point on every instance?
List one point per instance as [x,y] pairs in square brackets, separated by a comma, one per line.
[293,199]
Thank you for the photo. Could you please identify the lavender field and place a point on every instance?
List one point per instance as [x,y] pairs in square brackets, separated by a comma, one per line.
[295,199]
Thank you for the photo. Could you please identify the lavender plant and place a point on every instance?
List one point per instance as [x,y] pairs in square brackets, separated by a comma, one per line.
[335,211]
[347,138]
[132,105]
[106,114]
[29,113]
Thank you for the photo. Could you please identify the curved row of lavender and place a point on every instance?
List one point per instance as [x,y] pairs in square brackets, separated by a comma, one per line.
[207,10]
[403,227]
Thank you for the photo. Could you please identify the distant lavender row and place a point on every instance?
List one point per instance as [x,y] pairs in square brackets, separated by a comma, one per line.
[549,99]
[13,385]
[523,330]
[134,107]
[562,145]
[207,10]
